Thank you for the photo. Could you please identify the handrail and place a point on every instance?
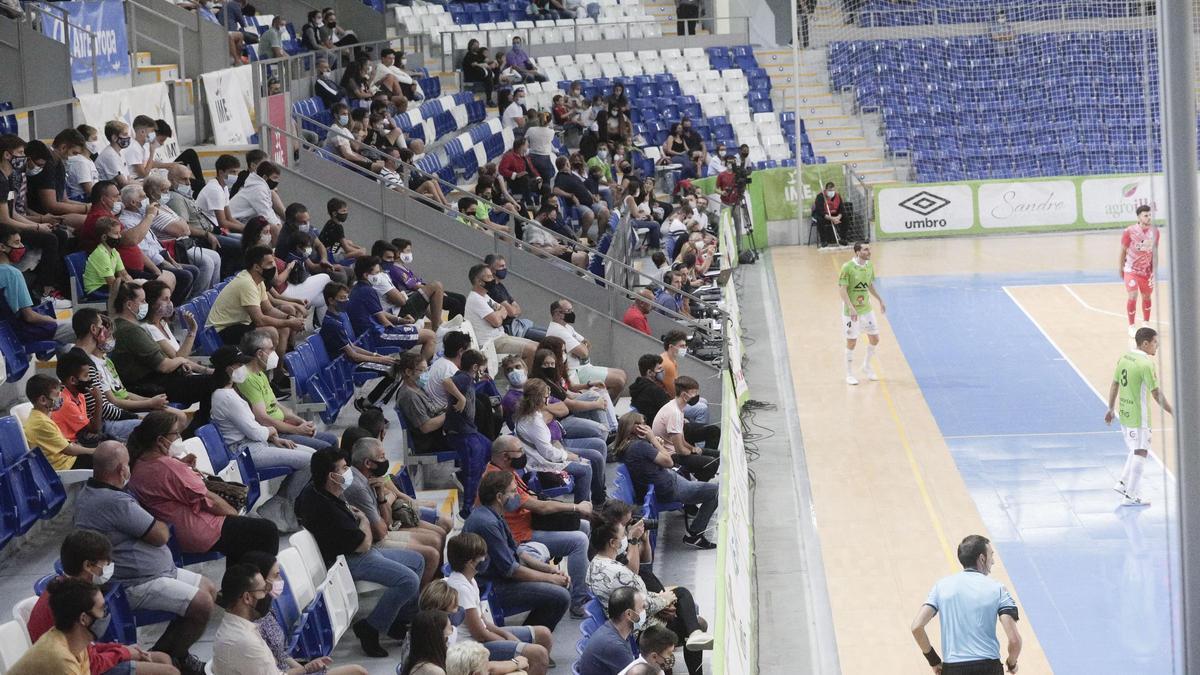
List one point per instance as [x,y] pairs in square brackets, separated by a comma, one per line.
[503,236]
[27,110]
[376,154]
[41,8]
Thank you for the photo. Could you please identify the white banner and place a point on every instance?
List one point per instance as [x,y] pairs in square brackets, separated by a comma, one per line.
[230,98]
[1114,200]
[1043,203]
[151,100]
[919,208]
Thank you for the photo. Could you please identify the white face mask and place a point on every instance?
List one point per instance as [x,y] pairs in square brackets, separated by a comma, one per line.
[177,449]
[142,311]
[265,239]
[624,546]
[272,360]
[239,374]
[406,258]
[151,136]
[347,477]
[105,574]
[379,280]
[95,147]
[230,179]
[682,352]
[830,193]
[641,621]
[116,209]
[145,203]
[33,170]
[308,252]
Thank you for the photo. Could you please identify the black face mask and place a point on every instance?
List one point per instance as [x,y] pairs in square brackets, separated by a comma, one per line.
[380,469]
[268,275]
[489,284]
[569,317]
[263,607]
[694,400]
[112,242]
[341,217]
[272,184]
[519,463]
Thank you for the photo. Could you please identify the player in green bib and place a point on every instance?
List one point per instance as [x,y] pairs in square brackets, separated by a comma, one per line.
[1133,380]
[856,284]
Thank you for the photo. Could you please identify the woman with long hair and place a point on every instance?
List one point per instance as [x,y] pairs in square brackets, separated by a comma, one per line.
[427,644]
[584,391]
[531,428]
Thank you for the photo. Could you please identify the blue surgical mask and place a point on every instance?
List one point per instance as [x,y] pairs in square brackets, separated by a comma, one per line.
[518,378]
[512,503]
[343,120]
[423,379]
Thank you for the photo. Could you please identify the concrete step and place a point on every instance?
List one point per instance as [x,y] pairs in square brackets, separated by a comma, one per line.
[155,73]
[828,111]
[868,155]
[817,128]
[878,176]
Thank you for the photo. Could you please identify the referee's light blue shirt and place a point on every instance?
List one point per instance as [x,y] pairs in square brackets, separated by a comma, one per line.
[968,605]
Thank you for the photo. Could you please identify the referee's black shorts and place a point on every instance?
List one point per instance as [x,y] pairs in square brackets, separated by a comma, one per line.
[981,667]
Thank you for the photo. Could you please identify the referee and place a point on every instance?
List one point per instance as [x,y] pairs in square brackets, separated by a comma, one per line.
[969,603]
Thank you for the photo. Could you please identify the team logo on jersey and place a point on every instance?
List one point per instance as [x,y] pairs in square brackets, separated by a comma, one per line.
[860,286]
[925,203]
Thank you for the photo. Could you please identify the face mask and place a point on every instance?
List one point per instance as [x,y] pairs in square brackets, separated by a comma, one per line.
[105,574]
[308,252]
[151,136]
[272,184]
[694,400]
[142,310]
[518,378]
[502,273]
[272,360]
[569,317]
[343,120]
[406,258]
[18,163]
[124,142]
[94,147]
[276,588]
[380,469]
[829,193]
[602,154]
[108,345]
[265,239]
[669,663]
[347,477]
[682,352]
[239,374]
[268,276]
[230,179]
[380,279]
[423,379]
[33,171]
[520,100]
[520,462]
[145,203]
[263,607]
[117,208]
[185,190]
[166,309]
[660,375]
[623,547]
[177,449]
[456,617]
[512,503]
[15,254]
[641,621]
[341,217]
[57,404]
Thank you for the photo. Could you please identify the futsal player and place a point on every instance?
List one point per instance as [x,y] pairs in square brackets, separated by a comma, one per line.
[1132,381]
[1138,242]
[856,283]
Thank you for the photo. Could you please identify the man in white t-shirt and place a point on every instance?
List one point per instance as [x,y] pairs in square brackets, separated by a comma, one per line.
[139,155]
[110,165]
[487,318]
[81,176]
[514,114]
[562,316]
[444,368]
[213,202]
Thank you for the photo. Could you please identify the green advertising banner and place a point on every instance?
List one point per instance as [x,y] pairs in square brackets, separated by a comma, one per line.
[773,193]
[1025,205]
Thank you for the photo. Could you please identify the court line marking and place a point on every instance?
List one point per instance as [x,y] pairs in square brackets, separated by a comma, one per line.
[1103,400]
[1051,433]
[1103,311]
[938,528]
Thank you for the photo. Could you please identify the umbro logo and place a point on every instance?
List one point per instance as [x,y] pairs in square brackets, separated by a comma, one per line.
[924,203]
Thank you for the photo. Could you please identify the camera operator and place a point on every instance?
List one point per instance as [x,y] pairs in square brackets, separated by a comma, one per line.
[728,183]
[828,216]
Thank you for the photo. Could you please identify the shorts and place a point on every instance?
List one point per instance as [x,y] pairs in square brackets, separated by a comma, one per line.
[429,515]
[864,324]
[1141,283]
[165,594]
[123,668]
[1136,438]
[507,650]
[589,373]
[415,306]
[507,344]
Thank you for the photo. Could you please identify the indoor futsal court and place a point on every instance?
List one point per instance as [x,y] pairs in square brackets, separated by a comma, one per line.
[995,361]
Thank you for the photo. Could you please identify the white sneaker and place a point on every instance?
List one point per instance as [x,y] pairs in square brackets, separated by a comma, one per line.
[870,374]
[698,641]
[1133,329]
[850,379]
[1134,501]
[1119,488]
[63,303]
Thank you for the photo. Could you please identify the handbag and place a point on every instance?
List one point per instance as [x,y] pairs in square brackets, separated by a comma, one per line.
[563,521]
[404,515]
[234,493]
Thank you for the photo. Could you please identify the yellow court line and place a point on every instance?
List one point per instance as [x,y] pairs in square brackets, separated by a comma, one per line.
[913,466]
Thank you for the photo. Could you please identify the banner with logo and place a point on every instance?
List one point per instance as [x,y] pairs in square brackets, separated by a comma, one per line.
[105,19]
[230,98]
[151,100]
[1028,205]
[735,635]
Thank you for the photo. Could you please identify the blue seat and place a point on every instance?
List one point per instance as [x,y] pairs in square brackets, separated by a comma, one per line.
[16,360]
[623,485]
[219,456]
[45,478]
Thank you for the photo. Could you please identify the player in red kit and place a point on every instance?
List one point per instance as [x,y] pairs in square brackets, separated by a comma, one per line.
[1138,242]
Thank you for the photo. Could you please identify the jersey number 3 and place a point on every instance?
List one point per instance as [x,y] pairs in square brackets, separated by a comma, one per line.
[1124,378]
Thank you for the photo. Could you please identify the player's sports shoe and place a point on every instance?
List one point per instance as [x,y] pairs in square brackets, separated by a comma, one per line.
[850,379]
[1119,488]
[1133,329]
[866,370]
[1134,501]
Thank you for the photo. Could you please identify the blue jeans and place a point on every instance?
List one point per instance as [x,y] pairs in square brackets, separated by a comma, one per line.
[584,425]
[582,473]
[695,492]
[120,429]
[297,459]
[397,569]
[546,602]
[507,650]
[574,547]
[596,457]
[320,439]
[697,413]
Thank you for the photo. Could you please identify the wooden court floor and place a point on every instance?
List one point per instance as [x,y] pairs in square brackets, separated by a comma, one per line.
[889,501]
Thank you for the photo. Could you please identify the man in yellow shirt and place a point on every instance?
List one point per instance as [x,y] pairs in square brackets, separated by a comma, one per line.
[77,606]
[41,431]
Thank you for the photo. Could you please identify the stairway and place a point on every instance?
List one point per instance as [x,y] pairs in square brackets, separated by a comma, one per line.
[835,133]
[145,72]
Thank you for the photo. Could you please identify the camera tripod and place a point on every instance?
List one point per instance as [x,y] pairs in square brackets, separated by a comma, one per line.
[745,226]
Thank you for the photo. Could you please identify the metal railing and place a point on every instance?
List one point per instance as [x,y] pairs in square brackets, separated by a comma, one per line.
[28,118]
[913,16]
[39,12]
[176,47]
[859,193]
[298,71]
[626,272]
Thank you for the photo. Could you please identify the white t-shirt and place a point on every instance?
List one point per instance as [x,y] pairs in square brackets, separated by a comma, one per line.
[468,598]
[214,197]
[668,420]
[541,141]
[439,370]
[110,163]
[134,155]
[158,335]
[338,139]
[80,169]
[511,113]
[572,339]
[149,244]
[383,288]
[479,306]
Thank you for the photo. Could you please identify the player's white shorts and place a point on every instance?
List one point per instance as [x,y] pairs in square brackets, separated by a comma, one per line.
[864,324]
[1136,439]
